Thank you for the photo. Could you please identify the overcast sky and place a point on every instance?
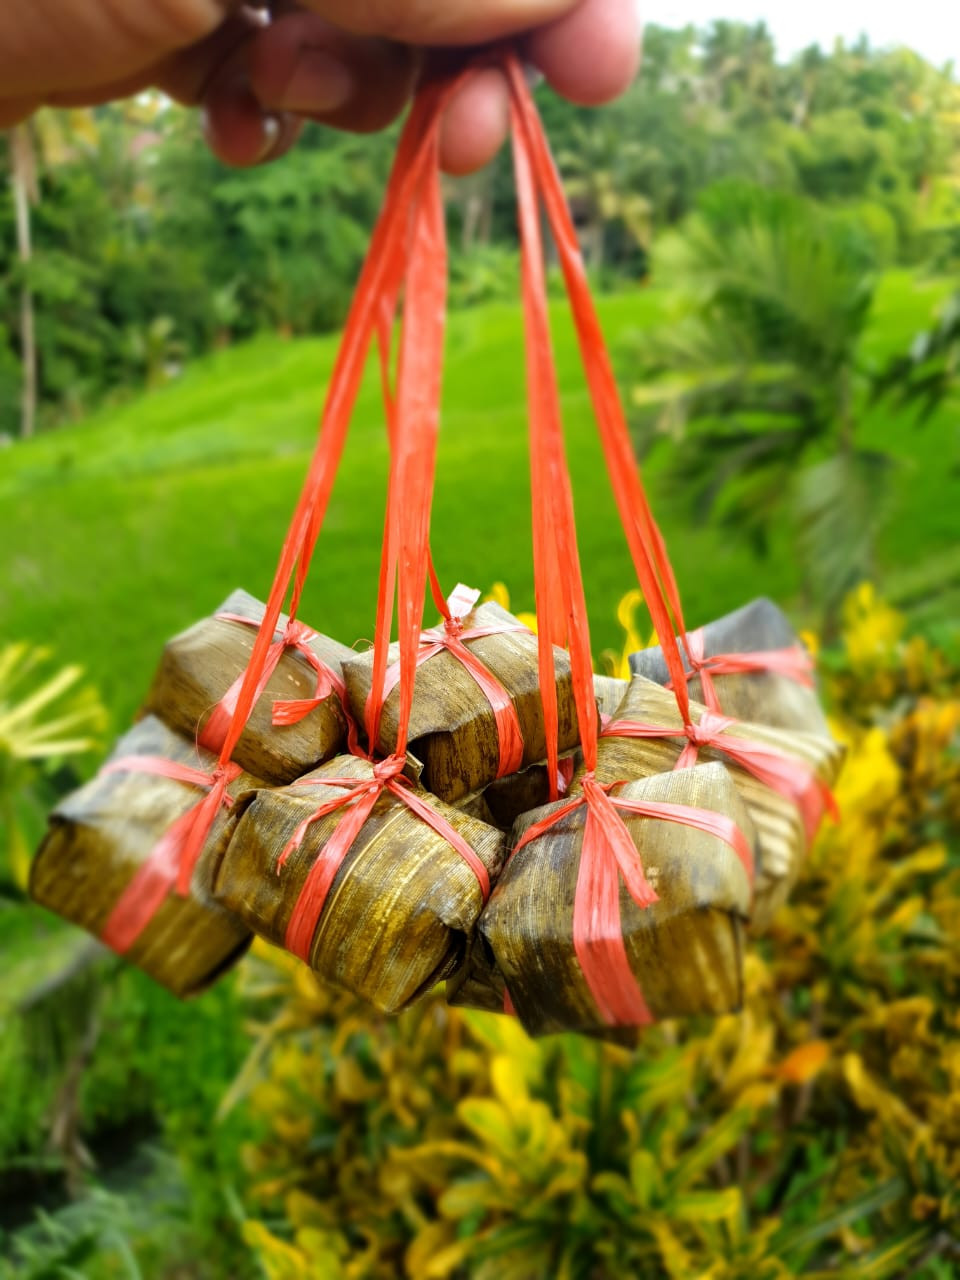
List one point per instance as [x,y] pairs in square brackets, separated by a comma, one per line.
[932,27]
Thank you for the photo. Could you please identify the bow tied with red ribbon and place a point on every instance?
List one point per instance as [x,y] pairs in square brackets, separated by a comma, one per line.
[450,637]
[793,662]
[297,636]
[359,797]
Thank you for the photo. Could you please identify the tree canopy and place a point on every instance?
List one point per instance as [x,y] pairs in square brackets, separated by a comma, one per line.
[145,250]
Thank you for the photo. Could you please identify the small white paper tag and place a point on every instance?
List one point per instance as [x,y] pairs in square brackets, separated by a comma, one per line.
[461,600]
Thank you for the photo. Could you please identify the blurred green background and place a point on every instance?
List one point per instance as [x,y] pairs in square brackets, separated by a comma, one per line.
[774,245]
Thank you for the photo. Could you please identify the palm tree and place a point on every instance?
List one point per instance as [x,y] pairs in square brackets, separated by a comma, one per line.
[928,374]
[23,181]
[739,65]
[601,184]
[756,378]
[49,135]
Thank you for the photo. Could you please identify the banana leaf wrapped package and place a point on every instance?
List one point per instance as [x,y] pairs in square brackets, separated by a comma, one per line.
[130,857]
[298,719]
[502,801]
[783,776]
[610,693]
[677,954]
[749,664]
[477,710]
[374,883]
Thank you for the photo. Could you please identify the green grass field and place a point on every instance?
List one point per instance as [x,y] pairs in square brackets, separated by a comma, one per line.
[121,530]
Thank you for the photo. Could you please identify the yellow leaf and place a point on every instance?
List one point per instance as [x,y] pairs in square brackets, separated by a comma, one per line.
[869,1095]
[352,1084]
[498,594]
[509,1084]
[280,1261]
[435,1252]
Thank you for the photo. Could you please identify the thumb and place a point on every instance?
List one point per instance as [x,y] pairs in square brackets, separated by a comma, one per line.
[439,22]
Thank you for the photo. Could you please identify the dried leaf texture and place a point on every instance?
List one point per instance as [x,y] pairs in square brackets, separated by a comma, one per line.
[402,903]
[763,697]
[201,664]
[102,834]
[780,828]
[452,726]
[684,950]
[609,692]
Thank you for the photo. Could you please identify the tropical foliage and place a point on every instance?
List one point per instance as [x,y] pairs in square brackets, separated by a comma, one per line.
[796,223]
[45,718]
[929,373]
[815,1133]
[122,241]
[756,377]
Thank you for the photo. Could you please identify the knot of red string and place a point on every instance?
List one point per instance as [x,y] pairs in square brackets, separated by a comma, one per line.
[793,662]
[359,797]
[608,853]
[453,627]
[297,636]
[790,777]
[450,637]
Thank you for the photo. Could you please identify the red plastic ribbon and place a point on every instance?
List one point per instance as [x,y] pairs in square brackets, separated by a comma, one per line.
[359,798]
[451,637]
[784,774]
[647,547]
[385,264]
[607,850]
[794,663]
[383,268]
[169,866]
[561,613]
[411,240]
[297,636]
[597,925]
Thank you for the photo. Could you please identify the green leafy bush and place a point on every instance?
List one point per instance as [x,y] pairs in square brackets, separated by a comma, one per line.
[815,1133]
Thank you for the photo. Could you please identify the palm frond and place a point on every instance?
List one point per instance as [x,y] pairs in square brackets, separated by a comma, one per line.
[44,718]
[840,504]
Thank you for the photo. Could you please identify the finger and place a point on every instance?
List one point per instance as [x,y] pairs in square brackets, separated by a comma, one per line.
[189,74]
[440,22]
[59,46]
[591,54]
[238,130]
[475,124]
[302,64]
[216,73]
[13,110]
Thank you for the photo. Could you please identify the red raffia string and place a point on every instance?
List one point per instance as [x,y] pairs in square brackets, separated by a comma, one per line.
[597,932]
[169,866]
[451,637]
[358,801]
[297,636]
[794,663]
[383,266]
[644,538]
[784,774]
[597,925]
[608,851]
[413,420]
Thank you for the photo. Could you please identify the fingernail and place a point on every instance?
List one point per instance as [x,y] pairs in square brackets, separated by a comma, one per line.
[270,126]
[319,84]
[533,75]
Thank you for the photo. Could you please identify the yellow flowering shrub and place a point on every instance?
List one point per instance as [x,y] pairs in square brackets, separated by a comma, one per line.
[815,1133]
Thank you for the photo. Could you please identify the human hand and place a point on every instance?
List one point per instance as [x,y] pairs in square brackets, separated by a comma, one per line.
[258,72]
